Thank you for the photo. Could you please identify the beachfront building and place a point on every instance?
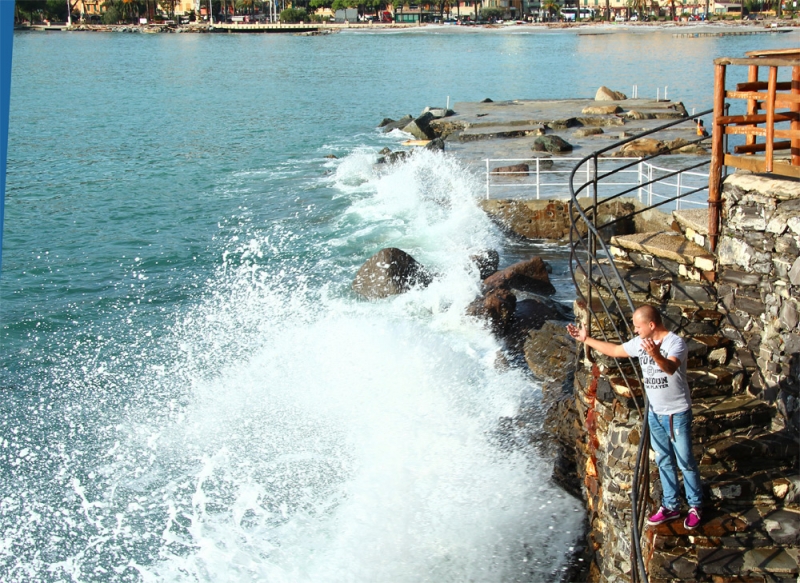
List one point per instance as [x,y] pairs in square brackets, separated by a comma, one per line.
[92,10]
[415,13]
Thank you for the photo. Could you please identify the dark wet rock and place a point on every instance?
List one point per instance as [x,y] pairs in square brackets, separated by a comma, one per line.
[531,314]
[385,151]
[552,144]
[389,272]
[332,157]
[386,121]
[487,261]
[420,128]
[399,124]
[514,169]
[530,276]
[496,308]
[487,100]
[398,156]
[436,145]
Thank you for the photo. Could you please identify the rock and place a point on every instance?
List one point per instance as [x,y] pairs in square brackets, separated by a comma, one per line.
[497,308]
[606,94]
[638,115]
[530,315]
[398,125]
[586,132]
[641,148]
[487,261]
[601,109]
[332,157]
[530,275]
[435,145]
[552,144]
[487,100]
[385,151]
[420,128]
[794,272]
[386,121]
[438,112]
[398,156]
[516,169]
[389,272]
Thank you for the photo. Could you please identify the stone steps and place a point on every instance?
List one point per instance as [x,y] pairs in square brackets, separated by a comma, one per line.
[755,543]
[747,449]
[773,485]
[648,285]
[714,416]
[666,245]
[693,223]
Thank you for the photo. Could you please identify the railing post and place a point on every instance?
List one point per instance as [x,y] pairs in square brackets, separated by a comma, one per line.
[641,170]
[717,156]
[769,153]
[487,178]
[537,178]
[650,185]
[795,107]
[678,193]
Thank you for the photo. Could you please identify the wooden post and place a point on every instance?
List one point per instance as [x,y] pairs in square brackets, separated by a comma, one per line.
[717,156]
[795,107]
[752,104]
[770,139]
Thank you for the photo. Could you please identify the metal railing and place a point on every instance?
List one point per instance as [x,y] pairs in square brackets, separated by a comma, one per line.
[550,177]
[601,283]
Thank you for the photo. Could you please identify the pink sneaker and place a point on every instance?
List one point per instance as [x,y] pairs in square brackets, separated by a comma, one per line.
[663,515]
[692,519]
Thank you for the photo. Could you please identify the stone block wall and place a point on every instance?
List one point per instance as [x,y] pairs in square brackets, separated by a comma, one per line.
[759,285]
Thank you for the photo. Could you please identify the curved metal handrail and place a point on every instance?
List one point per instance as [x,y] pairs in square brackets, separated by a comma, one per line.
[609,281]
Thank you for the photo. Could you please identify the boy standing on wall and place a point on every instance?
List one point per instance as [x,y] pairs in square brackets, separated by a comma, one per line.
[662,356]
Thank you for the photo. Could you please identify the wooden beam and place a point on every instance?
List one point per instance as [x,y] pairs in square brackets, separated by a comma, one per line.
[782,100]
[758,118]
[717,157]
[759,85]
[796,122]
[752,104]
[757,131]
[752,148]
[773,53]
[763,62]
[757,165]
[770,123]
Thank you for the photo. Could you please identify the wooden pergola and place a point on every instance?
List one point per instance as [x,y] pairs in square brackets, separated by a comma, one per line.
[768,103]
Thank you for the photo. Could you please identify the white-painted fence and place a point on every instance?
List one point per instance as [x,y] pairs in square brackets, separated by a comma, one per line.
[549,178]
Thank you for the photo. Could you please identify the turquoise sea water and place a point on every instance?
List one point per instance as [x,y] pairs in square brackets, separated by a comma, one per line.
[191,392]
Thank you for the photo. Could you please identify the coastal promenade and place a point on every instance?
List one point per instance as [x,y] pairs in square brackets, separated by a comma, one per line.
[687,29]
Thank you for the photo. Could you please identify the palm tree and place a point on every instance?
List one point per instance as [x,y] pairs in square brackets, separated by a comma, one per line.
[552,6]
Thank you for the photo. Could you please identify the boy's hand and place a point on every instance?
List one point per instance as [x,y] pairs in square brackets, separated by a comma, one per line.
[578,334]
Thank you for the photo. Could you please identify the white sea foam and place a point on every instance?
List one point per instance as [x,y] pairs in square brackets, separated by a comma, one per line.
[298,434]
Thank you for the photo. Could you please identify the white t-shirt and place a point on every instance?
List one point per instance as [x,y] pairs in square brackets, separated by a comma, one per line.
[668,394]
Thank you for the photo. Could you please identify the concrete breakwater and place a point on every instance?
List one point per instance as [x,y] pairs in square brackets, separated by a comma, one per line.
[738,309]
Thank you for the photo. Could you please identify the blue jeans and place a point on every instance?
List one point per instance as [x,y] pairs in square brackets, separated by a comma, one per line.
[675,451]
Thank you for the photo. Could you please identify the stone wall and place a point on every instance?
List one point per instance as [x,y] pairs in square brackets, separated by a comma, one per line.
[743,335]
[759,285]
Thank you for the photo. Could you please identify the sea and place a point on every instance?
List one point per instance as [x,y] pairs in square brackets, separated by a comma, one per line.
[191,392]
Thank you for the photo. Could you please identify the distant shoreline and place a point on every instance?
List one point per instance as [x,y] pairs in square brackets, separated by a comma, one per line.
[597,28]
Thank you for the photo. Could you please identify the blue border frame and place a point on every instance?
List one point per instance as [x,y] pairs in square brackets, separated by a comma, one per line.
[6,47]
